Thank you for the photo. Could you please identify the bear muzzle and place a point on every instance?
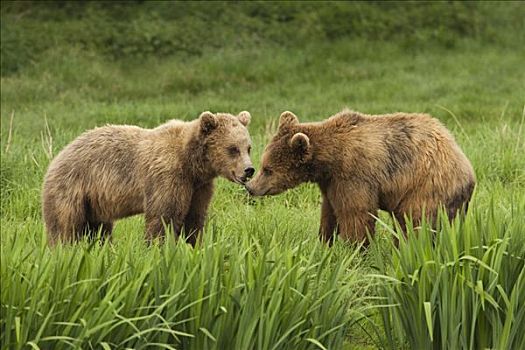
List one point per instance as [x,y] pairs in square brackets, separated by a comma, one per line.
[254,191]
[248,173]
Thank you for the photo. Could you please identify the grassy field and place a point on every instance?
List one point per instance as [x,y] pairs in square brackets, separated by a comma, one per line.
[261,279]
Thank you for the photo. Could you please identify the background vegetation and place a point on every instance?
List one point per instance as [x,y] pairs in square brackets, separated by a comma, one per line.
[261,279]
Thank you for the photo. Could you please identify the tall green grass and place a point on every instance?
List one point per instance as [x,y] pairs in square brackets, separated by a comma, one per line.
[459,287]
[241,295]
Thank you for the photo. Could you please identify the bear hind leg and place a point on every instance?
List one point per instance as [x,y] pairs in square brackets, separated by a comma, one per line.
[66,226]
[460,201]
[99,230]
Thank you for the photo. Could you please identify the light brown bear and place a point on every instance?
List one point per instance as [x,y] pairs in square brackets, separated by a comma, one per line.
[167,173]
[406,164]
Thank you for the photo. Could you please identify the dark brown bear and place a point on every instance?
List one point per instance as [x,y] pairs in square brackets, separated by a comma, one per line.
[406,164]
[167,173]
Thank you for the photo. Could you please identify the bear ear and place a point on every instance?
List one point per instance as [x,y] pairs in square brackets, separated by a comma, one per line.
[300,143]
[287,119]
[244,117]
[208,122]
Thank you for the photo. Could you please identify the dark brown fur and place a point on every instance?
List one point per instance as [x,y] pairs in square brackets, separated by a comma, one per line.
[167,173]
[399,162]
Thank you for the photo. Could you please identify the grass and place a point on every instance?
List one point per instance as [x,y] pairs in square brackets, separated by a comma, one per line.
[461,290]
[261,279]
[242,294]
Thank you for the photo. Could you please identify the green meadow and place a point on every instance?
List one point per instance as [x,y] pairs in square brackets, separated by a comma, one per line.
[260,278]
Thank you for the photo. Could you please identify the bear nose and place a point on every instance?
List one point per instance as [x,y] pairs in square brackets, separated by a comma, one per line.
[249,171]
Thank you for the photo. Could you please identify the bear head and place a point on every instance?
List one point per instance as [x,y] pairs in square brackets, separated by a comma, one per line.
[228,144]
[286,160]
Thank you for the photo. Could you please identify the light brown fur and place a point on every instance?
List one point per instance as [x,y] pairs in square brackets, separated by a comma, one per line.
[167,173]
[406,164]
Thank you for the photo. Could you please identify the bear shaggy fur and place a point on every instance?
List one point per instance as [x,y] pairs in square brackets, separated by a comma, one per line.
[167,173]
[406,164]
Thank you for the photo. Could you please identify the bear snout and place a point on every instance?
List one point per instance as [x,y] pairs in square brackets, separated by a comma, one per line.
[249,171]
[248,189]
[255,190]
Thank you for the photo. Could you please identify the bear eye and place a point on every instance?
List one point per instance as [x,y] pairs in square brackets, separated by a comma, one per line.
[267,171]
[249,149]
[233,150]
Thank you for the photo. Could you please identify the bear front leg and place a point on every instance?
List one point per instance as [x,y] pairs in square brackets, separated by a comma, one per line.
[355,224]
[354,203]
[194,221]
[166,206]
[328,222]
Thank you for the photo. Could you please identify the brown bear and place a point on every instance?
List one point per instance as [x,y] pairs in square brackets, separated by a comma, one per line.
[167,173]
[406,164]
